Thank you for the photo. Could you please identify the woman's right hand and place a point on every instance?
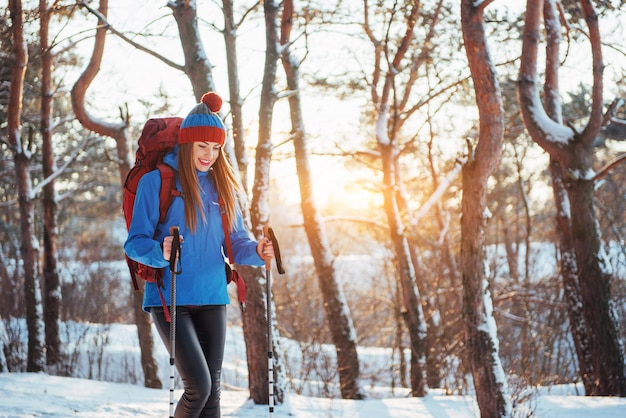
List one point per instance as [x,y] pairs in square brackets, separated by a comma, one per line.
[167,246]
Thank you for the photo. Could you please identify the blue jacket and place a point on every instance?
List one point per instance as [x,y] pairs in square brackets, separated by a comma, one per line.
[203,279]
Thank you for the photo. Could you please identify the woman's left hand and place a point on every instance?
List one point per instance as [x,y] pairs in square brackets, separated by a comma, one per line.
[265,249]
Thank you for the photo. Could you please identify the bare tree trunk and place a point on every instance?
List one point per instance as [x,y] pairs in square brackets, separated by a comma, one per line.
[11,285]
[569,269]
[527,219]
[4,368]
[337,311]
[606,348]
[255,336]
[574,152]
[414,316]
[259,213]
[480,327]
[146,342]
[197,65]
[236,103]
[511,251]
[411,275]
[255,318]
[387,129]
[119,132]
[399,321]
[569,274]
[51,286]
[28,249]
[261,187]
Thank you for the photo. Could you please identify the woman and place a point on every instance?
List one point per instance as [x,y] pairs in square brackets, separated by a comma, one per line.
[203,174]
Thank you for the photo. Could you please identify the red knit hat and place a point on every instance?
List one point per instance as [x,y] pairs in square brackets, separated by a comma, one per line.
[203,124]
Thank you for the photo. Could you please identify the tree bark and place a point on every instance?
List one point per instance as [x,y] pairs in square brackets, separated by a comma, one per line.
[569,268]
[197,65]
[146,341]
[236,103]
[51,285]
[414,316]
[259,214]
[480,327]
[574,152]
[569,274]
[387,130]
[29,249]
[4,368]
[337,311]
[606,350]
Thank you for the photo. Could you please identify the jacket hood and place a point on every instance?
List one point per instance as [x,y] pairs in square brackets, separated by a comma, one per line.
[171,158]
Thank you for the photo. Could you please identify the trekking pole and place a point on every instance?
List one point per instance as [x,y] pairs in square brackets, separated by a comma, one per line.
[174,258]
[269,233]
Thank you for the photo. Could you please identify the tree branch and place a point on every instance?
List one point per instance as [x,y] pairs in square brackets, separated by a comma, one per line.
[604,171]
[120,35]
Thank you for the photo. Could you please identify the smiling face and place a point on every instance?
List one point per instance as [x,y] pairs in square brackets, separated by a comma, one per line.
[204,155]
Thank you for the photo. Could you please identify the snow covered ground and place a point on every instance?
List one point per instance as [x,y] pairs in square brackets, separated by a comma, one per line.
[40,395]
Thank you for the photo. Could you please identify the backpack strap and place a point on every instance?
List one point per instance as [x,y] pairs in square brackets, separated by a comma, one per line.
[168,189]
[166,196]
[235,276]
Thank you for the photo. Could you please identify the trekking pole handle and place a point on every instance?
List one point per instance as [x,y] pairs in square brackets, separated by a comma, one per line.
[175,253]
[268,232]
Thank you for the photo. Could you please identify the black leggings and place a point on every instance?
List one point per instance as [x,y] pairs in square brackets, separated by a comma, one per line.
[200,339]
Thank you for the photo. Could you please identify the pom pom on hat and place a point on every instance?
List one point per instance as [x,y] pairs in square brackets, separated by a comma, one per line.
[202,124]
[212,100]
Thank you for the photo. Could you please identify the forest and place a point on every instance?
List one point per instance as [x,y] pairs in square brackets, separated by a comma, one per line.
[446,180]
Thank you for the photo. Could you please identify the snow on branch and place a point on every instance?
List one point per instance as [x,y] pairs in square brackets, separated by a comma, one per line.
[436,196]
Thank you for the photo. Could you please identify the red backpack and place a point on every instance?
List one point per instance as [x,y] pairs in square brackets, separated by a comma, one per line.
[158,137]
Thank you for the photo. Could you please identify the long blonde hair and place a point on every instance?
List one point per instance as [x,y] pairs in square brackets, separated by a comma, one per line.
[226,183]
